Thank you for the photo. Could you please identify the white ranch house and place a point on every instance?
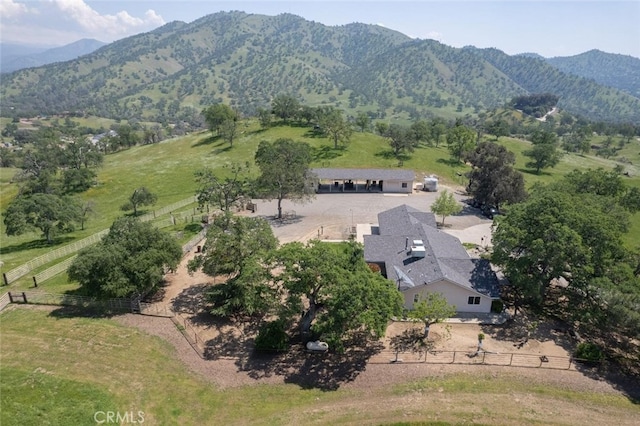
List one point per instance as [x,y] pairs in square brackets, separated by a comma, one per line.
[419,258]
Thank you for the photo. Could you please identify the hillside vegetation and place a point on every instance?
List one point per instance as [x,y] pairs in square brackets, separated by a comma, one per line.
[608,69]
[171,73]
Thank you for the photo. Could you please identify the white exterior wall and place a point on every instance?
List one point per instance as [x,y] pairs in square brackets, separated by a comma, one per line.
[455,295]
[396,186]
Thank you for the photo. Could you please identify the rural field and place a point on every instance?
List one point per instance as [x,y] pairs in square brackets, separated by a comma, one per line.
[61,367]
[167,169]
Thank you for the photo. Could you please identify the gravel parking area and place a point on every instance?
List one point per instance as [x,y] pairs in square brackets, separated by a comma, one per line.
[329,216]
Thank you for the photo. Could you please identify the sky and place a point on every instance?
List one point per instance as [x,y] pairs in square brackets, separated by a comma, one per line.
[549,28]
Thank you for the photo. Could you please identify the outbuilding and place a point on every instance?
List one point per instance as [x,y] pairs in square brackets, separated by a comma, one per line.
[364,180]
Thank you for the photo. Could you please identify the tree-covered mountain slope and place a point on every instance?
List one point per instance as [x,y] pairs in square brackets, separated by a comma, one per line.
[171,73]
[609,69]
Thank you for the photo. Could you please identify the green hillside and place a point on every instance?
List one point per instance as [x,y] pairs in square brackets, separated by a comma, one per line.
[578,95]
[608,69]
[244,60]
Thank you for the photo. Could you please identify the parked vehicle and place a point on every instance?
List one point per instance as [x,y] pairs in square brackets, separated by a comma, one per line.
[489,211]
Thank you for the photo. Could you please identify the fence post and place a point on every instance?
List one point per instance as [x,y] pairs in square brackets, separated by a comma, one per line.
[4,277]
[35,282]
[454,357]
[570,362]
[10,298]
[24,297]
[511,360]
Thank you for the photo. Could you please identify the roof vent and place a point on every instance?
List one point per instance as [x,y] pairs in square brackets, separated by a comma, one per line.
[418,250]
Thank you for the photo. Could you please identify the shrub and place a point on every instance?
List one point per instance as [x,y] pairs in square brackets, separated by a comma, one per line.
[497,306]
[589,352]
[272,337]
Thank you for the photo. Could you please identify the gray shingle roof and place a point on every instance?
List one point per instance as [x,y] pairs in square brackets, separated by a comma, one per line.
[364,174]
[445,257]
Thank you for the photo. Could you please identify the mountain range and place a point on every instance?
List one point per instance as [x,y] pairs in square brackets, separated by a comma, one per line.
[16,57]
[245,60]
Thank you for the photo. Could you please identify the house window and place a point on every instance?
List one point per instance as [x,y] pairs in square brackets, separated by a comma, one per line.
[474,300]
[404,184]
[416,298]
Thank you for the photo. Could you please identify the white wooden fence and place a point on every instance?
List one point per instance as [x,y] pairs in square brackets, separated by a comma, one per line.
[24,269]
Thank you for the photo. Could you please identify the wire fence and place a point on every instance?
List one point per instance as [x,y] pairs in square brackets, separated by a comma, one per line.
[200,346]
[479,358]
[24,269]
[42,298]
[189,332]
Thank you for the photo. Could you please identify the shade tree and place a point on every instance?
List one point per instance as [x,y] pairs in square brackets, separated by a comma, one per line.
[284,171]
[460,140]
[140,197]
[544,152]
[49,213]
[331,292]
[225,189]
[130,260]
[492,179]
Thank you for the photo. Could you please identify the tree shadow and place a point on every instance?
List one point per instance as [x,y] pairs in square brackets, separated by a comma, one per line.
[191,300]
[326,152]
[277,223]
[451,162]
[232,339]
[389,154]
[67,311]
[207,141]
[532,172]
[221,150]
[35,244]
[325,371]
[517,330]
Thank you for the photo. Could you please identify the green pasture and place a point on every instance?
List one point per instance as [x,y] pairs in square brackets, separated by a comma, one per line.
[167,169]
[61,368]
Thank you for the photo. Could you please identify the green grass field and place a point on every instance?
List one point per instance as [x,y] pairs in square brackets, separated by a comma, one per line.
[167,169]
[60,369]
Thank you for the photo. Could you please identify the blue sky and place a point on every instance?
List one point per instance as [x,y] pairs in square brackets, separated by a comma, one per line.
[550,28]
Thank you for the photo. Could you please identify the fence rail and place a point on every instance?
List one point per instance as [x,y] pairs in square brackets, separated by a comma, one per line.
[4,301]
[481,358]
[155,309]
[54,270]
[24,269]
[42,298]
[200,345]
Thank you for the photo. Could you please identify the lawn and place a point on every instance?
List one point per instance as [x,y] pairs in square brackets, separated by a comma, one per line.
[62,369]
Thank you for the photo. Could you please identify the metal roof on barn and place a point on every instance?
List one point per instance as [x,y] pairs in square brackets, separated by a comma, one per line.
[364,174]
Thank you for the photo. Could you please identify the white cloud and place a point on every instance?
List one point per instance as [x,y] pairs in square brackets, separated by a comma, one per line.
[120,24]
[11,9]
